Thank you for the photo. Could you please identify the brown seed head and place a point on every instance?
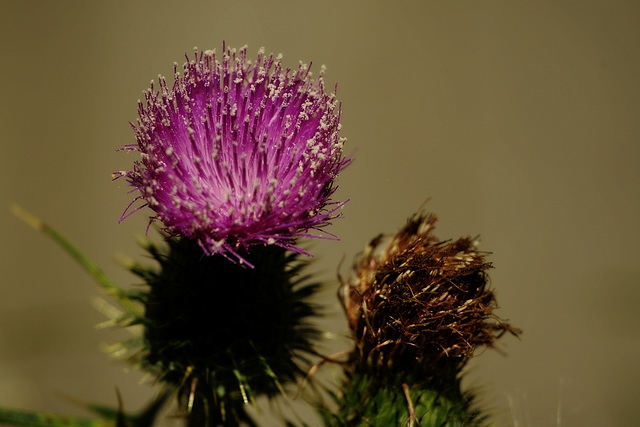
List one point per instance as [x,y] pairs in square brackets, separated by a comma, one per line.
[421,302]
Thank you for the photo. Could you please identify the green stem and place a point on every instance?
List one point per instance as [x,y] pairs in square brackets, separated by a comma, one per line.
[33,419]
[89,266]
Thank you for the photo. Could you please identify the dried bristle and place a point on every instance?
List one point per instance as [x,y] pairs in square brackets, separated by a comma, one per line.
[421,302]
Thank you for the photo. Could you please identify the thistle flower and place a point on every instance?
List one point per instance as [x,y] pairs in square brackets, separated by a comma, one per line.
[421,302]
[237,154]
[417,309]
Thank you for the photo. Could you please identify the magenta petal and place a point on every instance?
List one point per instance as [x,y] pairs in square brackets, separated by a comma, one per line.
[238,153]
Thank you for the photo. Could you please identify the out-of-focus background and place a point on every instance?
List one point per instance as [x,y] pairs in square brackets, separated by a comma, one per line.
[518,121]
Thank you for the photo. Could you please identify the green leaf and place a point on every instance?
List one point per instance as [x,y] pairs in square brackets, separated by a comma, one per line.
[42,419]
[89,266]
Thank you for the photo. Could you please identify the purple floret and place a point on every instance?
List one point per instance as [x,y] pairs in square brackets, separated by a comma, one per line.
[237,154]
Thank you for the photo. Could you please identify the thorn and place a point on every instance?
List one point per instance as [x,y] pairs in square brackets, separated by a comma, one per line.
[192,393]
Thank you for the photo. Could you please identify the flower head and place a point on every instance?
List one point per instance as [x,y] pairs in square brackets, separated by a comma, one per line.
[237,154]
[421,304]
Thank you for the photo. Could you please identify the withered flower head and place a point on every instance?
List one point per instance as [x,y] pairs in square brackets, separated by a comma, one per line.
[420,302]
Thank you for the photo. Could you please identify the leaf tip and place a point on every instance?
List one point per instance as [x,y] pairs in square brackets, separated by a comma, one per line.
[27,217]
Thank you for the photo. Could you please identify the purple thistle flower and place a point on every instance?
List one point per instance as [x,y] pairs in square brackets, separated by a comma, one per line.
[237,154]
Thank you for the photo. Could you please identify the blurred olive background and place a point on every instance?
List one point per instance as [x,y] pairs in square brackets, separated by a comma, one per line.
[517,121]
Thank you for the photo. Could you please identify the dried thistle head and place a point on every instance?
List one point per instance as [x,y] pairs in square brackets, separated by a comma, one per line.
[421,303]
